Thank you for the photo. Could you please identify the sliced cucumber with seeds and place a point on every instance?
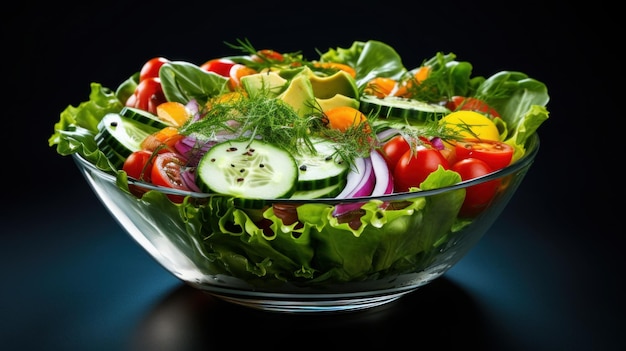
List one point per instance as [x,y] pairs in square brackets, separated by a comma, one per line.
[320,169]
[410,111]
[122,135]
[249,170]
[144,117]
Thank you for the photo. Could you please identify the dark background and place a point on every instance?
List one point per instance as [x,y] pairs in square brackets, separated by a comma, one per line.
[547,276]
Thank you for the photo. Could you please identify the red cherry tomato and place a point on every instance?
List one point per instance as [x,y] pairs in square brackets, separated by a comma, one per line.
[496,154]
[457,103]
[479,196]
[393,149]
[220,66]
[413,168]
[166,172]
[151,68]
[138,165]
[268,55]
[148,95]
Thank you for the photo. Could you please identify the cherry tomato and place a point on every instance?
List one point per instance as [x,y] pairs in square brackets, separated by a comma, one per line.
[268,55]
[166,172]
[151,68]
[148,95]
[471,104]
[413,168]
[496,154]
[220,66]
[477,197]
[236,72]
[138,165]
[393,149]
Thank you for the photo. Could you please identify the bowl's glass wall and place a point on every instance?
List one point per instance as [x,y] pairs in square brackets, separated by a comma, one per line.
[172,237]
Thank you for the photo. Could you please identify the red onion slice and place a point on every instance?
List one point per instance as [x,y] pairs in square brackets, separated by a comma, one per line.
[384,179]
[364,185]
[358,179]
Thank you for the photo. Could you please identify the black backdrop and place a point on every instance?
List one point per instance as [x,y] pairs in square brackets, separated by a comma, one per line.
[53,52]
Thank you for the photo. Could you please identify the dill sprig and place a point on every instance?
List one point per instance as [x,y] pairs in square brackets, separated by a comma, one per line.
[267,62]
[273,120]
[276,122]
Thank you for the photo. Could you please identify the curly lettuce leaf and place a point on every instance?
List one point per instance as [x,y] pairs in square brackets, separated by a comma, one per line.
[77,126]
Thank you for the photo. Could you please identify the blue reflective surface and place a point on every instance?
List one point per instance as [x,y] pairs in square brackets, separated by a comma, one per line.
[85,284]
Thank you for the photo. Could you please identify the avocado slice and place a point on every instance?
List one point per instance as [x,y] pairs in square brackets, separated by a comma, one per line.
[269,84]
[299,95]
[336,101]
[340,82]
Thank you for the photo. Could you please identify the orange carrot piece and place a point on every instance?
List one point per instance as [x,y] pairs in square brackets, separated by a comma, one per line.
[164,138]
[174,113]
[344,117]
[380,86]
[421,73]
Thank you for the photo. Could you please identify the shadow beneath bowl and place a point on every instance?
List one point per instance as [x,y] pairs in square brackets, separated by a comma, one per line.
[189,319]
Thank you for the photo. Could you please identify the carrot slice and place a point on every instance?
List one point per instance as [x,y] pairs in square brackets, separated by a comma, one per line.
[380,86]
[165,139]
[172,112]
[344,117]
[421,73]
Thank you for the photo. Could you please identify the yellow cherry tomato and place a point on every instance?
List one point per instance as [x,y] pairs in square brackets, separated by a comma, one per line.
[471,124]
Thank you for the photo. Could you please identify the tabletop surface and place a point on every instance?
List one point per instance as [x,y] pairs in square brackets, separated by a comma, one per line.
[87,285]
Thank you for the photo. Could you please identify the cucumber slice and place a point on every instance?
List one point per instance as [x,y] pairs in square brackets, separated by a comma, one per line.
[122,135]
[144,117]
[248,169]
[321,169]
[327,192]
[410,111]
[116,159]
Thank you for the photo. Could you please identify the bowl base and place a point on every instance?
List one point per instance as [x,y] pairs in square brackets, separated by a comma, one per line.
[300,305]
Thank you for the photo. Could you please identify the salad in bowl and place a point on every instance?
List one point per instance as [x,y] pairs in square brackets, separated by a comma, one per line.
[288,184]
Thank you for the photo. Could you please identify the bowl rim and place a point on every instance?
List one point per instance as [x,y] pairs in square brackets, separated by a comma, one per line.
[532,148]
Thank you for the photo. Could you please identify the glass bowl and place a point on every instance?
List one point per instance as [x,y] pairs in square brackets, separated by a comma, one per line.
[317,263]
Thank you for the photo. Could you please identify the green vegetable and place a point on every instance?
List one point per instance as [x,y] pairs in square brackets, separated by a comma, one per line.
[251,169]
[402,110]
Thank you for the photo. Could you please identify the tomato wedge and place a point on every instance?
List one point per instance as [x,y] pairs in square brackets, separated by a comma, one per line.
[495,153]
[167,171]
